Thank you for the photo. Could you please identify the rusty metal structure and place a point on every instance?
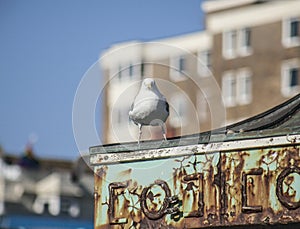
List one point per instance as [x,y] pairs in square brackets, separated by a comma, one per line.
[245,174]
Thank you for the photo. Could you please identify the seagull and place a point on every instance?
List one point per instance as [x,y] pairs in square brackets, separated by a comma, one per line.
[150,107]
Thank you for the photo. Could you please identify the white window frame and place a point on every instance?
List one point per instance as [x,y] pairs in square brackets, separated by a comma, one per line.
[287,40]
[179,116]
[229,88]
[235,43]
[286,89]
[229,45]
[177,74]
[125,72]
[115,73]
[237,87]
[132,71]
[244,48]
[244,87]
[204,63]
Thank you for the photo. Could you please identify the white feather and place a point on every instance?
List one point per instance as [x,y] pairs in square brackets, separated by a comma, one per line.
[150,107]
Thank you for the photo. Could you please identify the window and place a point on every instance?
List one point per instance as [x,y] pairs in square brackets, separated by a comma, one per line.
[290,83]
[204,63]
[229,44]
[237,43]
[130,71]
[294,28]
[119,72]
[237,87]
[125,72]
[229,89]
[290,32]
[178,67]
[142,69]
[244,87]
[245,42]
[178,116]
[181,64]
[293,77]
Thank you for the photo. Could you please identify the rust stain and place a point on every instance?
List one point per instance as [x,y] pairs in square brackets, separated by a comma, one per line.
[259,186]
[99,177]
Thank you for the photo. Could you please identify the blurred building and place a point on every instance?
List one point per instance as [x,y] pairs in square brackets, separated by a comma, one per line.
[47,194]
[245,61]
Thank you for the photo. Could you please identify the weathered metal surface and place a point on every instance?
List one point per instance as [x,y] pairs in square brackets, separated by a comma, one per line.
[256,185]
[160,153]
[249,175]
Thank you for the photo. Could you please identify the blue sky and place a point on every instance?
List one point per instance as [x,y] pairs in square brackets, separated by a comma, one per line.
[47,46]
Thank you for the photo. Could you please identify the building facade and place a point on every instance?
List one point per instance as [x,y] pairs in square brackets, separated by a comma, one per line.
[45,194]
[255,53]
[245,61]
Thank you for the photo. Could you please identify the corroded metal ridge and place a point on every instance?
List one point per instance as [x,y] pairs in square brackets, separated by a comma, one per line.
[226,146]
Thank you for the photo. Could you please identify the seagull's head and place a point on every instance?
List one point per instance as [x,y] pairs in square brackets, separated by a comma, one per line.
[149,83]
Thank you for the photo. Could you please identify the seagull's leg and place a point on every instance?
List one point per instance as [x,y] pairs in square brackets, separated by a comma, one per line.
[140,132]
[163,129]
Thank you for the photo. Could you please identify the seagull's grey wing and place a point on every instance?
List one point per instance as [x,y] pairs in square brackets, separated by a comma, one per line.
[164,110]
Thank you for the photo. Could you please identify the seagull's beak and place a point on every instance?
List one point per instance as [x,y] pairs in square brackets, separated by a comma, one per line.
[149,86]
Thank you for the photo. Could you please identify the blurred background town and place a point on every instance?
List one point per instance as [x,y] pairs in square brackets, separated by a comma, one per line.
[249,49]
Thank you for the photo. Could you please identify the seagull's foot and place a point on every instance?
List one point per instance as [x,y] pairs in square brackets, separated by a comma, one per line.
[165,138]
[139,143]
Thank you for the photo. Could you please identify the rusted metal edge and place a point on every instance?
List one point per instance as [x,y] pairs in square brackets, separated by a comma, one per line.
[203,138]
[196,149]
